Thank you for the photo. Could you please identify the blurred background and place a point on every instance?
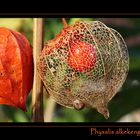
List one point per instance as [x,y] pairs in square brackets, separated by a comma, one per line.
[124,107]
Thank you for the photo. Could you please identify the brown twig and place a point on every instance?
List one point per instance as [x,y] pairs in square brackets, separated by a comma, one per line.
[133,40]
[49,111]
[118,22]
[37,96]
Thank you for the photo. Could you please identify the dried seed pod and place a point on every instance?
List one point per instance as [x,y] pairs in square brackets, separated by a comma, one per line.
[16,68]
[87,62]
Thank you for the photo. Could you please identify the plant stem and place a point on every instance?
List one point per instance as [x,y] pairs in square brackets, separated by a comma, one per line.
[37,95]
[49,111]
[65,22]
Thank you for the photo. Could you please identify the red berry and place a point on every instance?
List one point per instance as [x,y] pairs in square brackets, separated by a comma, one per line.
[81,56]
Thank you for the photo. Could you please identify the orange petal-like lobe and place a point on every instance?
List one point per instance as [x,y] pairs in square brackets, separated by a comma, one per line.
[16,68]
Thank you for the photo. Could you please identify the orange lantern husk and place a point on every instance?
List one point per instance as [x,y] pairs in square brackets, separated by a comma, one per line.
[16,68]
